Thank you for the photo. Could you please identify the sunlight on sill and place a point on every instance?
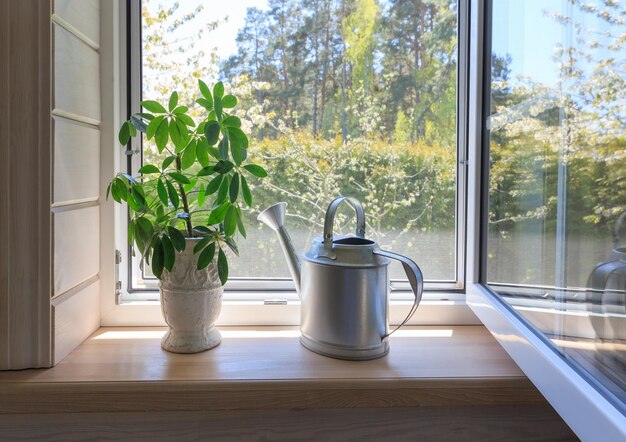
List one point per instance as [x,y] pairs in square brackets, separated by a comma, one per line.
[259,334]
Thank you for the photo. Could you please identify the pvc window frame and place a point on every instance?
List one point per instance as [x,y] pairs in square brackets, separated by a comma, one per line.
[274,300]
[579,400]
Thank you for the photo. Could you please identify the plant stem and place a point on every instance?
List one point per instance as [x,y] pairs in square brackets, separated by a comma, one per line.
[183,197]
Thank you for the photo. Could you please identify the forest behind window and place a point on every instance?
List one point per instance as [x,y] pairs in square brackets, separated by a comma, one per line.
[352,97]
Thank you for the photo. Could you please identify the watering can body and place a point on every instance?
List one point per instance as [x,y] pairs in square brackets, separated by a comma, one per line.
[343,286]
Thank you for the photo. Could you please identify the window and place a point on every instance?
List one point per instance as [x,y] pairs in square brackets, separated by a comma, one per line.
[354,97]
[556,129]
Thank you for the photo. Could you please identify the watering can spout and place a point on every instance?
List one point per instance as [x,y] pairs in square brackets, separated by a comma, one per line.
[274,218]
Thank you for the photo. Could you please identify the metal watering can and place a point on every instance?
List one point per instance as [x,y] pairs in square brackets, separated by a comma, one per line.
[343,287]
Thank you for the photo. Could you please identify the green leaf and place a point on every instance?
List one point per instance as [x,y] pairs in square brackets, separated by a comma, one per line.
[171,191]
[132,202]
[131,232]
[178,239]
[206,256]
[129,178]
[206,171]
[145,225]
[223,166]
[143,232]
[160,213]
[223,191]
[179,177]
[137,192]
[233,189]
[229,101]
[192,184]
[223,148]
[218,90]
[214,153]
[184,134]
[237,135]
[212,132]
[149,168]
[255,170]
[206,93]
[167,161]
[185,118]
[175,135]
[121,188]
[189,155]
[153,126]
[238,152]
[144,115]
[230,221]
[124,135]
[217,106]
[222,266]
[169,254]
[201,195]
[231,121]
[200,245]
[157,259]
[202,153]
[214,184]
[218,214]
[162,135]
[240,225]
[203,229]
[108,191]
[173,101]
[205,103]
[162,192]
[137,124]
[132,126]
[114,194]
[230,242]
[153,106]
[180,110]
[245,190]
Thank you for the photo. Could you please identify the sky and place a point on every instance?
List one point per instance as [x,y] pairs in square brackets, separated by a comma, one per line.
[531,52]
[521,28]
[223,39]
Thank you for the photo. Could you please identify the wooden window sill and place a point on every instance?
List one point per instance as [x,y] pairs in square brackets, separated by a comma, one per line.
[124,369]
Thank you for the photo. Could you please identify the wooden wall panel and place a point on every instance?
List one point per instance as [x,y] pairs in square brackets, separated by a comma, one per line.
[76,316]
[25,191]
[76,76]
[76,247]
[84,15]
[76,162]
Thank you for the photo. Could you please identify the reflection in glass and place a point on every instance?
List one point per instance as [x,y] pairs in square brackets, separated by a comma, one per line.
[557,186]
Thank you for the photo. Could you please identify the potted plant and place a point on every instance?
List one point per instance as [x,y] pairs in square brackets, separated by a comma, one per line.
[186,211]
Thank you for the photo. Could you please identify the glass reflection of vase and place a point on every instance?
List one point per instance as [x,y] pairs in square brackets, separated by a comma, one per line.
[607,298]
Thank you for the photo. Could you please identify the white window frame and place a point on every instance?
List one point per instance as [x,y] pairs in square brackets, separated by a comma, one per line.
[589,413]
[275,301]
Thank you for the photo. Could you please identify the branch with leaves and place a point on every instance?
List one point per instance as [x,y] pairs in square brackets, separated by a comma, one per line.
[204,162]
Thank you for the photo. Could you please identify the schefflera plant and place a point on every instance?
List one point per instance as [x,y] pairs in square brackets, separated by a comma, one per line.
[196,191]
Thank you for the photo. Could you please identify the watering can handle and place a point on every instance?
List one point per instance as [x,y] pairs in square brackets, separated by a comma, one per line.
[329,220]
[416,279]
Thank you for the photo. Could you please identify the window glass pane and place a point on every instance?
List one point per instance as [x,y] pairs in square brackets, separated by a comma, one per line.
[352,97]
[557,189]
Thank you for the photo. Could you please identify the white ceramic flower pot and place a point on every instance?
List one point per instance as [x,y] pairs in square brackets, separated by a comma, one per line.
[191,301]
